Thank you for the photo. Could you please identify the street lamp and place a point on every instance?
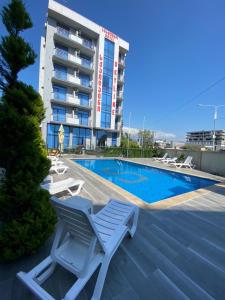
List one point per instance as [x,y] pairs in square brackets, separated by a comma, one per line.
[216,107]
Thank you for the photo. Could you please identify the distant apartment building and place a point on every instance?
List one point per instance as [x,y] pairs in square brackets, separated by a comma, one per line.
[81,80]
[205,138]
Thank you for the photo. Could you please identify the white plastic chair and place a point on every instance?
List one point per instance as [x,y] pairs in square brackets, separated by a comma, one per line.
[82,243]
[186,164]
[59,169]
[64,185]
[161,158]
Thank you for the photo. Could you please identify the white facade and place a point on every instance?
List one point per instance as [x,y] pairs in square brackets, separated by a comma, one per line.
[205,139]
[81,80]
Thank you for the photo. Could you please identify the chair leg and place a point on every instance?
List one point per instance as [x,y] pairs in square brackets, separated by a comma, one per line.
[101,279]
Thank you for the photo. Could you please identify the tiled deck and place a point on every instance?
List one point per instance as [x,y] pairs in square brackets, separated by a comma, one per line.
[178,251]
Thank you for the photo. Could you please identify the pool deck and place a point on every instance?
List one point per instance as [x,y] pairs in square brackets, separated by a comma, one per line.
[178,251]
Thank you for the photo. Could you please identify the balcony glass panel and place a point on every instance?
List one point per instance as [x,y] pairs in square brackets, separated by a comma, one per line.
[60,72]
[83,117]
[87,43]
[84,99]
[59,93]
[61,51]
[85,80]
[59,113]
[63,30]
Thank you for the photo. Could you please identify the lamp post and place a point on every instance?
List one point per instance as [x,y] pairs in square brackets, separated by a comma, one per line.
[216,107]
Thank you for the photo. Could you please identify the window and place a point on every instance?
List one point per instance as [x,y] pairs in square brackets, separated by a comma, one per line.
[61,51]
[107,84]
[101,138]
[60,72]
[59,113]
[52,136]
[83,117]
[86,61]
[59,92]
[84,99]
[63,30]
[114,139]
[85,80]
[80,136]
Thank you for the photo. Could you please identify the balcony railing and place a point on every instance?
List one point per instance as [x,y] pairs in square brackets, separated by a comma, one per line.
[71,99]
[122,61]
[120,94]
[74,37]
[74,79]
[121,77]
[79,60]
[119,110]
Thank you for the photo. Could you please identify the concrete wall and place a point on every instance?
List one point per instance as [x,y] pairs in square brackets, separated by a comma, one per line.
[207,161]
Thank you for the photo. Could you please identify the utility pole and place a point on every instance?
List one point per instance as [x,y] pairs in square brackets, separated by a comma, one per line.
[216,107]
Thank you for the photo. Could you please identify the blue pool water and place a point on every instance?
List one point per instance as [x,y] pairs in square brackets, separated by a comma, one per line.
[149,184]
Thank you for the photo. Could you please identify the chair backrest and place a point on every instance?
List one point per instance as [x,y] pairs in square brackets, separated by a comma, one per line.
[74,214]
[165,155]
[188,160]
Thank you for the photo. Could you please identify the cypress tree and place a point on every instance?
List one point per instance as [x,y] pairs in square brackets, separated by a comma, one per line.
[26,215]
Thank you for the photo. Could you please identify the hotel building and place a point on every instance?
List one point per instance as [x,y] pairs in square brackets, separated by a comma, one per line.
[81,80]
[205,139]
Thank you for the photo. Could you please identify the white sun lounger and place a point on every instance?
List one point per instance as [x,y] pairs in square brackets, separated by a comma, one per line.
[59,169]
[82,243]
[57,162]
[64,185]
[169,160]
[161,158]
[186,164]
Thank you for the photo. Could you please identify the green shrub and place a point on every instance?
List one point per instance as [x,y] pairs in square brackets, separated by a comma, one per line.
[26,216]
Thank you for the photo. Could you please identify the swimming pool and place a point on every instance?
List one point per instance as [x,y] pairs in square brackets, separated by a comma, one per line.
[148,183]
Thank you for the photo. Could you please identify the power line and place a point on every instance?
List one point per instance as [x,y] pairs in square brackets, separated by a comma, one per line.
[192,99]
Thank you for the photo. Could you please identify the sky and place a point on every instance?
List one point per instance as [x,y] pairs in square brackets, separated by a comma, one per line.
[177,52]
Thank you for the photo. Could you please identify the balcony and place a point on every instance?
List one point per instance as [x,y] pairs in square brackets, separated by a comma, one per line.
[119,110]
[122,62]
[73,81]
[121,77]
[68,59]
[71,101]
[120,95]
[72,36]
[72,120]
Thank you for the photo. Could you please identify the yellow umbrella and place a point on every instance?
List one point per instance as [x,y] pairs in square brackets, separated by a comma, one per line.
[61,138]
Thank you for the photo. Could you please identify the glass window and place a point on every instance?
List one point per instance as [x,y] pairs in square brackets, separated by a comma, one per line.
[86,61]
[101,138]
[83,117]
[66,137]
[114,139]
[85,80]
[61,51]
[59,113]
[60,72]
[63,30]
[52,136]
[84,99]
[80,136]
[59,92]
